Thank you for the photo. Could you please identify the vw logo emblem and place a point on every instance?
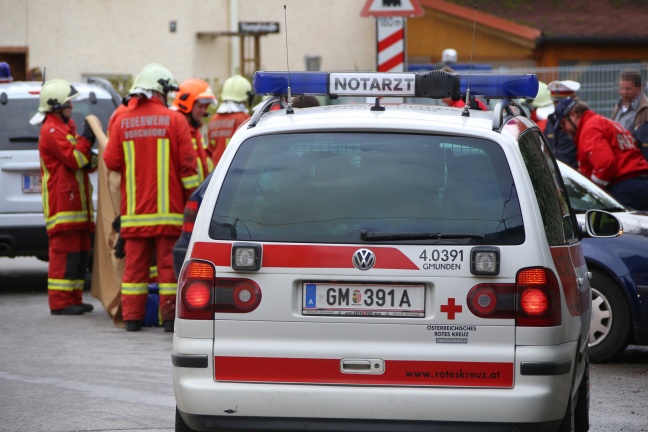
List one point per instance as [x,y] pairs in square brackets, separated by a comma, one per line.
[364,259]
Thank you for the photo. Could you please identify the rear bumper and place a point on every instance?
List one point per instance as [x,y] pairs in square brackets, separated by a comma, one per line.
[535,403]
[27,237]
[249,424]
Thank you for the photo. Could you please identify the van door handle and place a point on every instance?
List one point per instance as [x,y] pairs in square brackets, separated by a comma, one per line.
[362,366]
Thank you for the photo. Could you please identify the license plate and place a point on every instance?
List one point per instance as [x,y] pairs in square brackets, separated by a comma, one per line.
[363,300]
[32,183]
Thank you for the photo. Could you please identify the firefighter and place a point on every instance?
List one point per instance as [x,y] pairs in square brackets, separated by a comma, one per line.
[66,159]
[237,91]
[193,99]
[150,146]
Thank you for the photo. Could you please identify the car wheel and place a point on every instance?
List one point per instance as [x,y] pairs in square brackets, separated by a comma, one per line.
[180,425]
[610,322]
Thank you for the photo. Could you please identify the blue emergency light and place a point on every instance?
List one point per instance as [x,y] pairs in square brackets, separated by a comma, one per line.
[5,72]
[433,84]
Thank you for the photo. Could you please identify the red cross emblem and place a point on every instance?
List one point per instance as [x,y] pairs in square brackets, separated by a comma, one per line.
[451,308]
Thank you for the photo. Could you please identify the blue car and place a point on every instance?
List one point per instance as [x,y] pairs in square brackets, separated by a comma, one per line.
[619,268]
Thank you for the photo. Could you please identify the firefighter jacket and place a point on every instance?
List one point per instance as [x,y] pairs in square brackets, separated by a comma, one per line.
[204,162]
[65,164]
[607,153]
[220,130]
[150,145]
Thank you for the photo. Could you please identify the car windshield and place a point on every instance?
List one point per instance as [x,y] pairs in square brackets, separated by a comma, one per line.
[584,194]
[16,133]
[395,188]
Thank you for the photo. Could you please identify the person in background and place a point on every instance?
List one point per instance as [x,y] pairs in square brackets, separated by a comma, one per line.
[542,106]
[193,99]
[305,102]
[632,108]
[231,113]
[607,153]
[150,146]
[631,111]
[475,104]
[560,144]
[66,159]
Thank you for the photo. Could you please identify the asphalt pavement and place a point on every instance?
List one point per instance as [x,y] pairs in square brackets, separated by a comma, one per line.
[76,373]
[82,374]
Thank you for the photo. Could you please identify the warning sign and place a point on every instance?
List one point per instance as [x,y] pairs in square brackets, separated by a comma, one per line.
[383,8]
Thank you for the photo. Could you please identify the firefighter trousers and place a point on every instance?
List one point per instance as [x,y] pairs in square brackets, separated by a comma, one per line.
[69,253]
[137,263]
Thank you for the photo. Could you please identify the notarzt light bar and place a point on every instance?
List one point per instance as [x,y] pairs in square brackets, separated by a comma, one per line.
[433,84]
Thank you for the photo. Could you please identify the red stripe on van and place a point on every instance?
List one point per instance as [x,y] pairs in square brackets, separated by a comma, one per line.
[397,372]
[305,256]
[566,258]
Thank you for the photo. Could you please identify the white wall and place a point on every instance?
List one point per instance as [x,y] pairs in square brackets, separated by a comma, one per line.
[76,37]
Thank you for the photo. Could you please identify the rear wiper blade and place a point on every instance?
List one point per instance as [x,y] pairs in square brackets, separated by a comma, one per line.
[24,139]
[371,236]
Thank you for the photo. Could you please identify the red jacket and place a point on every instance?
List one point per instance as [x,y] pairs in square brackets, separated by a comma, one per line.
[67,192]
[150,145]
[204,162]
[221,128]
[607,152]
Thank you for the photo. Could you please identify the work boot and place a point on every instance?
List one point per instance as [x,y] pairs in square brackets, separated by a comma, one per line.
[70,310]
[134,325]
[87,307]
[168,326]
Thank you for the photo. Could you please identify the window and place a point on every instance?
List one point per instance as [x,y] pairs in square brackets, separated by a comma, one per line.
[552,199]
[328,187]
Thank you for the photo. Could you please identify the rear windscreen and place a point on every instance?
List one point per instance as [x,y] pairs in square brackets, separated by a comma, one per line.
[16,133]
[332,187]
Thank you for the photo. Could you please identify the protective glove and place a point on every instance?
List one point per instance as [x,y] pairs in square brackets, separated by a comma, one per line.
[118,247]
[93,163]
[88,133]
[120,252]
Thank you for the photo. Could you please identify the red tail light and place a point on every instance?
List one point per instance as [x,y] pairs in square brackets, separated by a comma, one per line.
[237,295]
[196,291]
[492,301]
[201,294]
[538,298]
[534,301]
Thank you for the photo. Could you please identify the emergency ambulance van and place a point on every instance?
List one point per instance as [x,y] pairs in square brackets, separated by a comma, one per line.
[386,267]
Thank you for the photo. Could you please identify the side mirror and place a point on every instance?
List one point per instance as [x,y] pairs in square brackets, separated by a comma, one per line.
[599,223]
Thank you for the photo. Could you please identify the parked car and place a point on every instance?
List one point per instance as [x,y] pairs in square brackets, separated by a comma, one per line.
[351,253]
[22,224]
[619,269]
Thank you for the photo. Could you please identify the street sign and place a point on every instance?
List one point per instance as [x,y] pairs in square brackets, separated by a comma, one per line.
[258,27]
[390,32]
[393,8]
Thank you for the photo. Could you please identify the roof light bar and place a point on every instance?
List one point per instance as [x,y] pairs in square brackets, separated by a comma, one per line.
[434,84]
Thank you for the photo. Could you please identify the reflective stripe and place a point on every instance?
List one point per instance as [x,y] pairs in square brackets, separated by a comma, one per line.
[153,272]
[151,219]
[129,172]
[190,182]
[66,217]
[199,165]
[82,191]
[60,284]
[45,190]
[80,158]
[134,288]
[168,288]
[78,284]
[163,175]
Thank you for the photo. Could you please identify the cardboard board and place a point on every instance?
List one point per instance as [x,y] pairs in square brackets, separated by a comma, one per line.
[107,270]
